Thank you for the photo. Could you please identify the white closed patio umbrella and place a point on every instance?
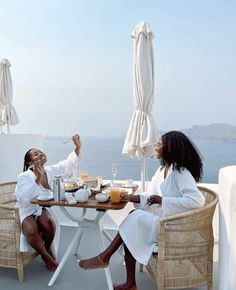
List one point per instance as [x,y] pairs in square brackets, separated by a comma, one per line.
[8,115]
[142,135]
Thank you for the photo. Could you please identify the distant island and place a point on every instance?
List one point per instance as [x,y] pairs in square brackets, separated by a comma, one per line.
[213,131]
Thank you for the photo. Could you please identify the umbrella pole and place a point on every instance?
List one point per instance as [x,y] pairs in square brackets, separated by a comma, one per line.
[8,128]
[143,173]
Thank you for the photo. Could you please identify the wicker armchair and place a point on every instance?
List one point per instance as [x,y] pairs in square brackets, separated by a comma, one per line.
[10,255]
[185,254]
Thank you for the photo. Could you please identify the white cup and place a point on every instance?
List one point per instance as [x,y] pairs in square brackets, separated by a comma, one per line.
[82,195]
[129,182]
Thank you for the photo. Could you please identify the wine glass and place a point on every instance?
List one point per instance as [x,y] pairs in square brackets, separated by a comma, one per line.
[114,171]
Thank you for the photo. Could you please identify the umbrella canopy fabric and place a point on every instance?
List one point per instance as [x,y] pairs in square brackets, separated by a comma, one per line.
[142,135]
[8,115]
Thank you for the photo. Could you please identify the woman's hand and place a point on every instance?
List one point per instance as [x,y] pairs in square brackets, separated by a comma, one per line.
[154,199]
[38,171]
[76,140]
[124,197]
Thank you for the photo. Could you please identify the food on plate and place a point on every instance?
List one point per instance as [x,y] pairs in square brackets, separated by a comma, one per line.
[70,185]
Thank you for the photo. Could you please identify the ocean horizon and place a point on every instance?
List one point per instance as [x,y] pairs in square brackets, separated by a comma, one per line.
[98,154]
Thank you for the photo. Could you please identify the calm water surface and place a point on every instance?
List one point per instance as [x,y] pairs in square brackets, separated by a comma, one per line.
[98,154]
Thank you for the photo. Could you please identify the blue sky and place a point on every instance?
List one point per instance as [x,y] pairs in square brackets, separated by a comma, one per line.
[72,63]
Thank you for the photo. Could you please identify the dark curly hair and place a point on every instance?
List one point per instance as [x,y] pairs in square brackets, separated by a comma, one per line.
[178,150]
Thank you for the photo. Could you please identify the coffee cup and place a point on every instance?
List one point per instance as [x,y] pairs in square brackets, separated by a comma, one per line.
[115,195]
[129,183]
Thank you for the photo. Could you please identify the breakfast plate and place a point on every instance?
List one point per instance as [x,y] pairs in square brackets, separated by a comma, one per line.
[71,187]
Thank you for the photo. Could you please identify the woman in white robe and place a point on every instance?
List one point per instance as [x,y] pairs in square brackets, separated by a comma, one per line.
[38,228]
[173,190]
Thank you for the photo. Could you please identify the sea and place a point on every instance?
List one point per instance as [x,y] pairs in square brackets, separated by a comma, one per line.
[98,154]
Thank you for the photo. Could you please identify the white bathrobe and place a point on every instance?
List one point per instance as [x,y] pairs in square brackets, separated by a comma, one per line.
[179,192]
[27,189]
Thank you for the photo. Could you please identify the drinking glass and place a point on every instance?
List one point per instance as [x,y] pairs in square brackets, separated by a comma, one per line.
[83,174]
[114,171]
[115,195]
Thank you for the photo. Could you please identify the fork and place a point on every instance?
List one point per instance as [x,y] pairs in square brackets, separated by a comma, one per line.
[66,141]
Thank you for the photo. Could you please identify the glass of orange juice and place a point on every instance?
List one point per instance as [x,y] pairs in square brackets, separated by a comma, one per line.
[83,174]
[115,195]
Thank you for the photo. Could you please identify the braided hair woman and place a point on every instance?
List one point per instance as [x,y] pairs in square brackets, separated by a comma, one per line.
[38,227]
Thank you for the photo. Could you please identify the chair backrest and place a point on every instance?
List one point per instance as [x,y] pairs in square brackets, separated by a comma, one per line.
[186,246]
[9,224]
[10,228]
[7,193]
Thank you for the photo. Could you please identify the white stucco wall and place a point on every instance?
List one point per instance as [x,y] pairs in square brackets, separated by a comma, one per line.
[12,150]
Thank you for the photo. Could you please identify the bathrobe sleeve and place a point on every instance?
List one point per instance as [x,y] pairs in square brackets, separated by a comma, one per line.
[187,194]
[67,166]
[26,188]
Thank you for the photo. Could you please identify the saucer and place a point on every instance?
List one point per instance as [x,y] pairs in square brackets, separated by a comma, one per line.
[128,186]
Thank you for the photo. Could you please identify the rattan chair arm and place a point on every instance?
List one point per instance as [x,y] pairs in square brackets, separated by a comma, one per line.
[9,207]
[189,212]
[8,183]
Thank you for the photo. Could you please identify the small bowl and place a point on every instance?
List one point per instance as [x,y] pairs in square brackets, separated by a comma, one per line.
[102,197]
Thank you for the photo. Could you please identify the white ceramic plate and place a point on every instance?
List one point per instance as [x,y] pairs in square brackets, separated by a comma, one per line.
[128,186]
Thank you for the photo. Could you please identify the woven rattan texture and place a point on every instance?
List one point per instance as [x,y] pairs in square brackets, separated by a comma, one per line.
[10,255]
[185,255]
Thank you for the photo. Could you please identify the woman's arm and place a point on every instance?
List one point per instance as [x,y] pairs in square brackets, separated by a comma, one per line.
[189,195]
[124,197]
[76,140]
[145,199]
[68,166]
[26,189]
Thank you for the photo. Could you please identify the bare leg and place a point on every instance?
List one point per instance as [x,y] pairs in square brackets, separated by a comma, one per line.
[102,260]
[130,272]
[47,228]
[31,231]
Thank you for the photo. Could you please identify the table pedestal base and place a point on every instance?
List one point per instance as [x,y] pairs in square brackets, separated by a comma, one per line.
[75,243]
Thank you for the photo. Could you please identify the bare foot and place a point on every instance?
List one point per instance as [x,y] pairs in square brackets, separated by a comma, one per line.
[93,263]
[50,253]
[125,287]
[50,262]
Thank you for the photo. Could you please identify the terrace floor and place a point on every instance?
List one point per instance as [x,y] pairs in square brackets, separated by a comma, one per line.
[36,275]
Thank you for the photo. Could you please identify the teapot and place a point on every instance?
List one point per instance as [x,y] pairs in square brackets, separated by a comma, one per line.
[82,195]
[58,188]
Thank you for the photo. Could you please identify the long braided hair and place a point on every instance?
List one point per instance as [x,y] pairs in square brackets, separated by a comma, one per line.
[27,160]
[179,151]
